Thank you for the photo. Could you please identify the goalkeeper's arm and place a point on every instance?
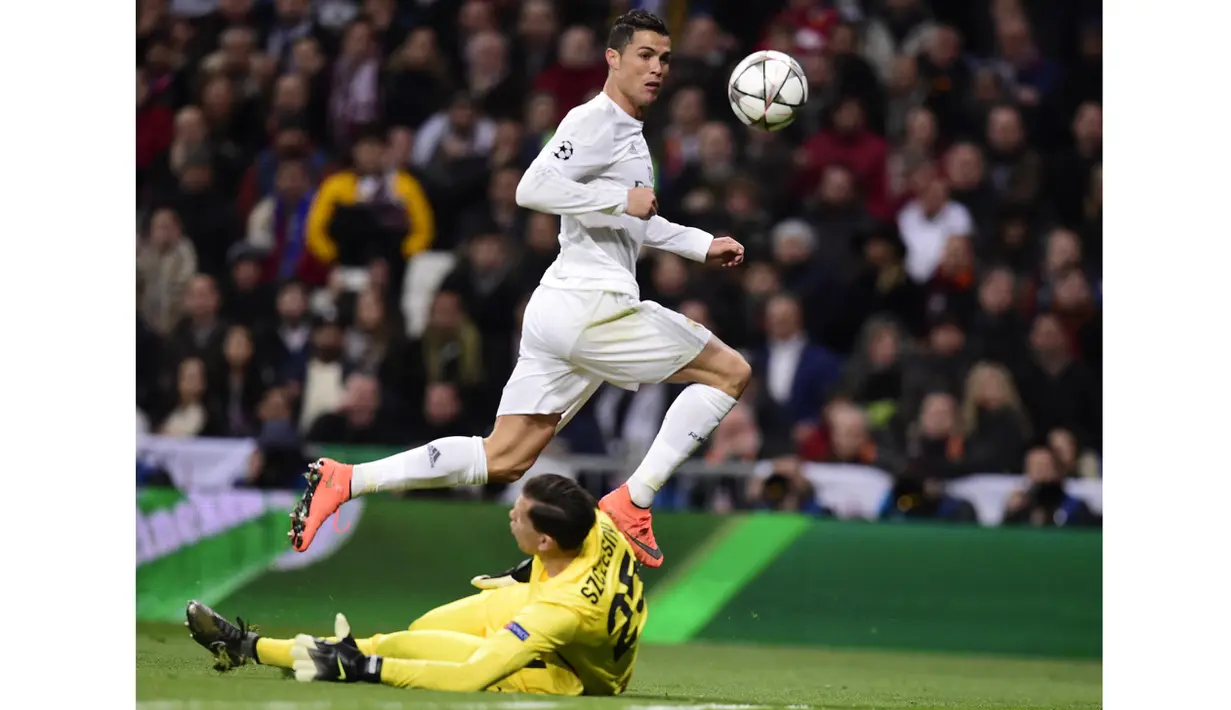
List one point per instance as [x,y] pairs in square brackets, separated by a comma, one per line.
[533,634]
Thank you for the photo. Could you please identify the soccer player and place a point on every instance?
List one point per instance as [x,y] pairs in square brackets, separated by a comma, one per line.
[585,323]
[571,630]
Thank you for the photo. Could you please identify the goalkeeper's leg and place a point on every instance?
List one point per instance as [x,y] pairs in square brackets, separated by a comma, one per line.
[469,619]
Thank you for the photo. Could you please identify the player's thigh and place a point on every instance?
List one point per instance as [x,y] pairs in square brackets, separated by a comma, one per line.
[425,645]
[541,678]
[541,396]
[639,343]
[717,365]
[478,614]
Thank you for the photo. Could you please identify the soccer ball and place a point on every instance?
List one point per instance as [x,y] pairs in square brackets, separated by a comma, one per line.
[766,89]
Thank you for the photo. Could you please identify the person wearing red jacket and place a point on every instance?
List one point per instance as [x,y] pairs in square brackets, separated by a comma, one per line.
[155,125]
[849,142]
[578,73]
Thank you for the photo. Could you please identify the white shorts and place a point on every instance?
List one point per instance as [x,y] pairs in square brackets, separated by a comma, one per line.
[574,341]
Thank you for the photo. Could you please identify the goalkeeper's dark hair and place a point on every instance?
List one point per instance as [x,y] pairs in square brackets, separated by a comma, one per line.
[630,23]
[560,508]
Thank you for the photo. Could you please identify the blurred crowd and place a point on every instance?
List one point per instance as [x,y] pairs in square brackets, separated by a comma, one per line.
[329,249]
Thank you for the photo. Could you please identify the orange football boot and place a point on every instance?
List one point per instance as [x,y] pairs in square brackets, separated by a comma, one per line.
[328,489]
[635,523]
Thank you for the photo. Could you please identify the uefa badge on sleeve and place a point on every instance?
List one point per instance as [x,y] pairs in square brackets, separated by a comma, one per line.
[564,151]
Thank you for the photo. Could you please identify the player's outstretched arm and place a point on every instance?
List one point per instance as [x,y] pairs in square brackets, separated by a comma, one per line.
[688,242]
[555,181]
[533,634]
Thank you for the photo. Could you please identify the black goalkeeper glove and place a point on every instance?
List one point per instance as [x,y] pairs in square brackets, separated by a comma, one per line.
[339,661]
[517,574]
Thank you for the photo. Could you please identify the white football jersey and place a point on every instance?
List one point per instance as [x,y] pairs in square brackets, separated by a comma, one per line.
[584,174]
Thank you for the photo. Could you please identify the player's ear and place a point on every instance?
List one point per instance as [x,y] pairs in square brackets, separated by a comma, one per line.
[613,59]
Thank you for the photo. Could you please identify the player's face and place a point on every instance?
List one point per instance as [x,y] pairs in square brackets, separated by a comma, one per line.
[641,68]
[529,540]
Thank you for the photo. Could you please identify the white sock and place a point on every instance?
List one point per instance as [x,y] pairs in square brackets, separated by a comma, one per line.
[690,420]
[444,463]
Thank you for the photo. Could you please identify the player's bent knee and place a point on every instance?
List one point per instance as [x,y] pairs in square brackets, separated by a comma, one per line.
[734,372]
[515,444]
[739,376]
[508,470]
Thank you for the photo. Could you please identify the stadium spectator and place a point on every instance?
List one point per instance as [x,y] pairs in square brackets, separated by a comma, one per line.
[309,62]
[166,263]
[443,414]
[845,439]
[946,76]
[452,347]
[317,382]
[681,139]
[155,126]
[278,227]
[242,383]
[970,187]
[880,286]
[940,364]
[192,413]
[933,443]
[246,300]
[1074,461]
[784,489]
[290,142]
[952,286]
[201,331]
[705,163]
[495,89]
[1015,169]
[354,99]
[838,213]
[416,80]
[896,28]
[375,343]
[368,212]
[927,223]
[287,339]
[797,374]
[997,332]
[207,213]
[913,498]
[360,419]
[579,69]
[489,290]
[534,46]
[919,147]
[850,142]
[1058,391]
[1045,503]
[292,22]
[997,427]
[873,374]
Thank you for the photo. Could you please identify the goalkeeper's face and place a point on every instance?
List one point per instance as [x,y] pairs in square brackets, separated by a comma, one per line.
[642,67]
[529,540]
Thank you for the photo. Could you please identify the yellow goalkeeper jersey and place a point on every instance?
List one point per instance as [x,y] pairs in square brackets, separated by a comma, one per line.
[586,619]
[594,611]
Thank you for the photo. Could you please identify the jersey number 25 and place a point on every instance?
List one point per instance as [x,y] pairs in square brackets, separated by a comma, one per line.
[629,602]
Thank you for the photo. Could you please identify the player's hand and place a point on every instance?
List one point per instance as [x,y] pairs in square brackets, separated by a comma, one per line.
[726,251]
[338,661]
[517,574]
[642,203]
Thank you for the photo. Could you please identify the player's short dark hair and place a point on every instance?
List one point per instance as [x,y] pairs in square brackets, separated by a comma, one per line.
[560,508]
[630,23]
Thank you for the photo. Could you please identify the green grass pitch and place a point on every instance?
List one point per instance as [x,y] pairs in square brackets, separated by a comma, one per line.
[173,673]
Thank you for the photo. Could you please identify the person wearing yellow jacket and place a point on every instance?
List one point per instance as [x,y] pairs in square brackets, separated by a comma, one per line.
[369,211]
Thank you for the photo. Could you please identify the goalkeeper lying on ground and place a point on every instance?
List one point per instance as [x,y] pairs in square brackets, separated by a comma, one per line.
[565,623]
